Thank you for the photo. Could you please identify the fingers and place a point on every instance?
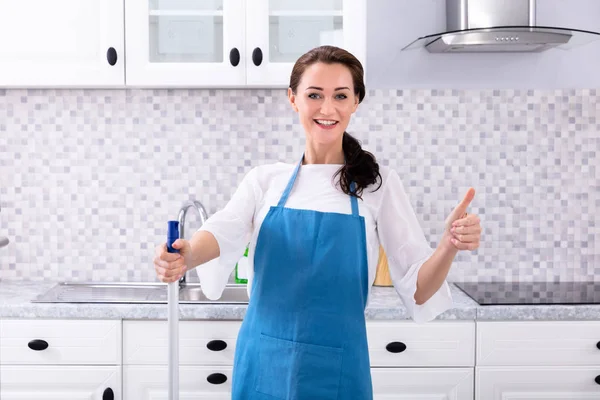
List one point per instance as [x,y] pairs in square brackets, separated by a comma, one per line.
[466,233]
[162,253]
[170,274]
[469,220]
[466,230]
[464,246]
[169,267]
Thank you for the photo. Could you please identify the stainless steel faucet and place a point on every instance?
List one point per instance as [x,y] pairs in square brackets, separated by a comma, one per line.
[182,213]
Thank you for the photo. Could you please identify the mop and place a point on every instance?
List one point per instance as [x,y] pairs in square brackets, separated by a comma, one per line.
[173,318]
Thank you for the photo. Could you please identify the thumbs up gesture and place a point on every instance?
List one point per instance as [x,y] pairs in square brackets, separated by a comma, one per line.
[462,229]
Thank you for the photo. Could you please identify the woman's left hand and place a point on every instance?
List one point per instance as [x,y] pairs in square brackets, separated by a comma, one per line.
[463,230]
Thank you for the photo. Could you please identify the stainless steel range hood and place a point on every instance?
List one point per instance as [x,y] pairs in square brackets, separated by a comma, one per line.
[498,26]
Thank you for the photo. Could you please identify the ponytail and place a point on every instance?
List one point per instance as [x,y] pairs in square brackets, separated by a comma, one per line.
[360,167]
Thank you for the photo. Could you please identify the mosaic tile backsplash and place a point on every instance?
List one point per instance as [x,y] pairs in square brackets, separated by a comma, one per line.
[88,178]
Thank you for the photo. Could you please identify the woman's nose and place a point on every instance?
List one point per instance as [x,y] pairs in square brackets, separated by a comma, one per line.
[327,107]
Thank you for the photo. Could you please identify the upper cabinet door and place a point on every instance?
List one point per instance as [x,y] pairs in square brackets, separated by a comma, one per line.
[61,43]
[280,31]
[185,43]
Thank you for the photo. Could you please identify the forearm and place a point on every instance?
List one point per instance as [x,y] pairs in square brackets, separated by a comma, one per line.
[434,271]
[204,248]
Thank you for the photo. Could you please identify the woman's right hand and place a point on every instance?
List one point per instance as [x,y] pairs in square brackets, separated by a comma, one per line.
[170,267]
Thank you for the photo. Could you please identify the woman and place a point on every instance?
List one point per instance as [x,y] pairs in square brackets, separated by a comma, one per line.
[314,228]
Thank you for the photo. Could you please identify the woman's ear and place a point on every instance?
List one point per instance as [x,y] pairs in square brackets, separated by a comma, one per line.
[292,98]
[355,104]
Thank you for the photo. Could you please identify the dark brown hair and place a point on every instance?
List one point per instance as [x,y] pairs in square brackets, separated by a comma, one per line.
[361,166]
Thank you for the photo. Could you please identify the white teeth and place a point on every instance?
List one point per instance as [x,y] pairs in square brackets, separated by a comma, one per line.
[323,122]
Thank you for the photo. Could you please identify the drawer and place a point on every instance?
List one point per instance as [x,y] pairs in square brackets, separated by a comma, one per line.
[533,383]
[422,383]
[435,344]
[538,343]
[60,342]
[33,382]
[146,342]
[195,382]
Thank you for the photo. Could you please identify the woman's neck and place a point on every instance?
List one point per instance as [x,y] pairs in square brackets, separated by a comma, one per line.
[324,155]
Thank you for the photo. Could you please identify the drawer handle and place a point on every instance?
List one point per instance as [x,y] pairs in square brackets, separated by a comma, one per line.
[597,379]
[257,56]
[234,57]
[396,347]
[216,345]
[111,56]
[38,344]
[598,345]
[217,378]
[108,394]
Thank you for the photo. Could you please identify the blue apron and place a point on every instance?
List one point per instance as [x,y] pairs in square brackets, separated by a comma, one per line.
[304,336]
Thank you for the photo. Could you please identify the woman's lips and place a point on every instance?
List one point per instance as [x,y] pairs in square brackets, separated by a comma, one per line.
[326,126]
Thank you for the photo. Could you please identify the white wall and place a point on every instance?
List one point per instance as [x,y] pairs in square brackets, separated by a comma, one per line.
[392,24]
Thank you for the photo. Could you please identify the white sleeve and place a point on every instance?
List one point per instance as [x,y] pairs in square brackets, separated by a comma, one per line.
[407,249]
[231,227]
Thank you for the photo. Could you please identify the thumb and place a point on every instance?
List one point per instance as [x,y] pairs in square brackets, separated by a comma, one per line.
[461,208]
[180,244]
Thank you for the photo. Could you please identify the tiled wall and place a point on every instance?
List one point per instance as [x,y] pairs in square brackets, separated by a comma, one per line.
[88,178]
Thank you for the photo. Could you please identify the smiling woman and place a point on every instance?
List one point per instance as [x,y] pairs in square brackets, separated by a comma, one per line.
[314,228]
[326,86]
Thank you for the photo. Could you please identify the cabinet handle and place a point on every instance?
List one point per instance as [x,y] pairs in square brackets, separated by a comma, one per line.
[257,56]
[395,347]
[597,379]
[111,56]
[38,344]
[216,345]
[217,378]
[598,345]
[108,394]
[234,57]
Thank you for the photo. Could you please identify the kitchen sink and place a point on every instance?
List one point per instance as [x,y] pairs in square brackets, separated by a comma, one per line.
[142,293]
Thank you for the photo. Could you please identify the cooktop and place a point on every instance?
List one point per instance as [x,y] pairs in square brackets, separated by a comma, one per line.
[518,293]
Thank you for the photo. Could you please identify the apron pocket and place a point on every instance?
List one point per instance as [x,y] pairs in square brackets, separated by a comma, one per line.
[298,371]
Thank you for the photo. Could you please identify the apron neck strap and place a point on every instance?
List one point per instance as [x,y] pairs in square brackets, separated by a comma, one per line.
[290,185]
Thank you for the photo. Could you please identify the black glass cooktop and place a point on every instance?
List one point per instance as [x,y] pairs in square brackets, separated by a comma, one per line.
[517,293]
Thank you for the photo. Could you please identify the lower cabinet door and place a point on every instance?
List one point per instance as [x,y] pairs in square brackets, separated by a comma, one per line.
[195,382]
[32,382]
[537,383]
[422,383]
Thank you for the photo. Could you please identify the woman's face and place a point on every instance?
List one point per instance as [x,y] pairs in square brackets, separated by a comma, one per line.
[324,101]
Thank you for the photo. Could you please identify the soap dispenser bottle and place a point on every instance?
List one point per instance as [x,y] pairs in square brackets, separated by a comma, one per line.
[241,268]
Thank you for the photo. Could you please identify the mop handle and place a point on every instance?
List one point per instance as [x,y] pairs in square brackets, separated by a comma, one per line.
[173,319]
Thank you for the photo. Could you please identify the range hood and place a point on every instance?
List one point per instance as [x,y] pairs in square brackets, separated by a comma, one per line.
[474,26]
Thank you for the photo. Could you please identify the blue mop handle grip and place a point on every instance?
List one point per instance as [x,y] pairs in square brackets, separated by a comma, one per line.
[172,236]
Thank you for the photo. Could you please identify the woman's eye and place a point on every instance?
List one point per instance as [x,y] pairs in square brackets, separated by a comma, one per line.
[313,96]
[341,96]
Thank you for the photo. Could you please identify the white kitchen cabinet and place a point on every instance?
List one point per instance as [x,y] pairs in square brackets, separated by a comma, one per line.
[61,43]
[283,30]
[535,360]
[196,382]
[537,383]
[422,383]
[60,342]
[233,43]
[530,343]
[435,344]
[185,43]
[34,382]
[200,342]
[60,359]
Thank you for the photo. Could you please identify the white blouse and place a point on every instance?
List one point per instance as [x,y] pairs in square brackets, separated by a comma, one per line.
[389,220]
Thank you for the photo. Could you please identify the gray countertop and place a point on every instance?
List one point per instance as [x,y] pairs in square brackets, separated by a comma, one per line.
[15,302]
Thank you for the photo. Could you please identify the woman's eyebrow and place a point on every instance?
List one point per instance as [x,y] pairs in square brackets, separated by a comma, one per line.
[319,88]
